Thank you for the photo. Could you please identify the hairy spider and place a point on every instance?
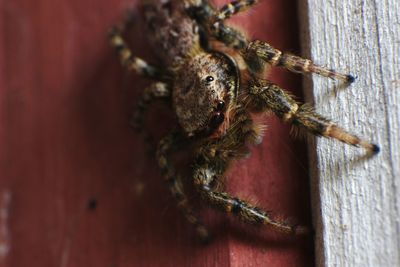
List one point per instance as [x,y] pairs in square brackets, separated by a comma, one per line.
[214,78]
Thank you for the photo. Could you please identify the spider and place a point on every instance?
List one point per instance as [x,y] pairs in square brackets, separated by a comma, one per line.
[214,78]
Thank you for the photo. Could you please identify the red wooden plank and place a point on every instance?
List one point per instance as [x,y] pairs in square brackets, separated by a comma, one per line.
[64,139]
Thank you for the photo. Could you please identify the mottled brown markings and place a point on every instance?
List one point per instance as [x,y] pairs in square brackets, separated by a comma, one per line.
[266,96]
[233,8]
[130,62]
[259,53]
[201,83]
[157,90]
[213,90]
[205,174]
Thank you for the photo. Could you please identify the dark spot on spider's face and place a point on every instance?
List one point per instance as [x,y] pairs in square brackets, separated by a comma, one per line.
[209,79]
[220,105]
[217,119]
[92,204]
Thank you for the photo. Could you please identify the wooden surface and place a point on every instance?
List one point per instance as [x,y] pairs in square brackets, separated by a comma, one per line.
[357,201]
[76,187]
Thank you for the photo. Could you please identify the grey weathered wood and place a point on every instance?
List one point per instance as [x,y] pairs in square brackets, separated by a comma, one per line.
[356,200]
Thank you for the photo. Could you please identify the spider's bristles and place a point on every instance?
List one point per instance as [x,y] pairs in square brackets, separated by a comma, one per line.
[298,133]
[233,8]
[259,53]
[127,60]
[175,184]
[338,133]
[307,118]
[264,95]
[286,228]
[259,130]
[204,176]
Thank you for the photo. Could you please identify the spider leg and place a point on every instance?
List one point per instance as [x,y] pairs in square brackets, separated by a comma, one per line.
[204,176]
[126,57]
[258,53]
[207,16]
[157,90]
[228,35]
[175,185]
[264,96]
[231,37]
[213,159]
[233,8]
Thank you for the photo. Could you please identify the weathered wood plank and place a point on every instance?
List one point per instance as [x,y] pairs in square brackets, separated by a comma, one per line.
[357,201]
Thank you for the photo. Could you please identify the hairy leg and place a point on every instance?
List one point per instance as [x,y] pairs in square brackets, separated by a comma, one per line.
[233,8]
[264,96]
[175,185]
[126,57]
[207,16]
[258,53]
[241,132]
[213,159]
[157,90]
[229,35]
[206,174]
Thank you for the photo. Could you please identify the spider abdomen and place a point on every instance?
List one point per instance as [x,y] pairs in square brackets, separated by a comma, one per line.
[171,32]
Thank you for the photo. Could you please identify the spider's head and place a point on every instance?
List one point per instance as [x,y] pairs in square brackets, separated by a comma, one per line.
[205,89]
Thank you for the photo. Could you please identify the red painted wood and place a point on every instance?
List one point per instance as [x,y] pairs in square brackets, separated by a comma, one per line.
[65,139]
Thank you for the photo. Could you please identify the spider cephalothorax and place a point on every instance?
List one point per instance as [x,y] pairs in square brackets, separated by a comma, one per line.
[213,93]
[204,88]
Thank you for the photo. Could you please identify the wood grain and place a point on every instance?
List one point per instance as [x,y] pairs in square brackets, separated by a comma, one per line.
[357,200]
[76,186]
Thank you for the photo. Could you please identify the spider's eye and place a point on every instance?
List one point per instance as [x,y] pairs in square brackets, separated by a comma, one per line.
[220,105]
[209,79]
[217,120]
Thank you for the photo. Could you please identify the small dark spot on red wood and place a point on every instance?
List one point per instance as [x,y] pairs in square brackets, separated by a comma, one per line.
[92,204]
